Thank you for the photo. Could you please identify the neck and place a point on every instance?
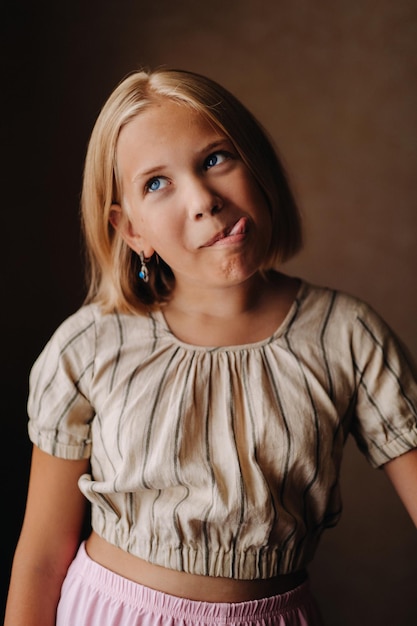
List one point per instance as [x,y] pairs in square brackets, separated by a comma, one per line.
[219,302]
[234,315]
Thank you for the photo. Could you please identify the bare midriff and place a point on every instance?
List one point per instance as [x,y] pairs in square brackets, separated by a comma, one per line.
[182,584]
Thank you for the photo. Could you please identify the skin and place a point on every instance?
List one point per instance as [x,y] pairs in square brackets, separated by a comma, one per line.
[402,472]
[48,541]
[186,184]
[182,184]
[183,187]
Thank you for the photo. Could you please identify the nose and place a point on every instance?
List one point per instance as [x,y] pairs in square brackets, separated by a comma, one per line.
[202,200]
[213,210]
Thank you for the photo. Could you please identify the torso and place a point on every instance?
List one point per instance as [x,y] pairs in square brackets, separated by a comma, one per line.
[274,302]
[205,510]
[181,584]
[290,396]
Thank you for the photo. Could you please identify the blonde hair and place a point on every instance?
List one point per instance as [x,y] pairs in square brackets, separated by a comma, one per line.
[112,266]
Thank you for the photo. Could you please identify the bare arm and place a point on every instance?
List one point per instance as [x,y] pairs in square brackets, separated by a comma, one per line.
[402,472]
[48,541]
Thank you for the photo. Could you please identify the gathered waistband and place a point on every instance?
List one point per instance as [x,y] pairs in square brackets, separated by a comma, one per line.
[139,596]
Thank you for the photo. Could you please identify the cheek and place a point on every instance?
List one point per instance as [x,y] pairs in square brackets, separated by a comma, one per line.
[164,235]
[251,190]
[143,222]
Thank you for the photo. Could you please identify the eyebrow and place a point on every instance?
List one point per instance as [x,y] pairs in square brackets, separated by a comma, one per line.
[154,170]
[207,149]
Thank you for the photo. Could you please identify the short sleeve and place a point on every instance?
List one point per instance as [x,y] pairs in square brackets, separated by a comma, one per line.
[59,409]
[385,421]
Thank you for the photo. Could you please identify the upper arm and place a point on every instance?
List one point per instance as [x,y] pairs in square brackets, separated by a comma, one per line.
[402,471]
[48,541]
[55,507]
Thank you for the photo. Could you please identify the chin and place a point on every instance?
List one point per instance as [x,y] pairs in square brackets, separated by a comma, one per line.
[234,271]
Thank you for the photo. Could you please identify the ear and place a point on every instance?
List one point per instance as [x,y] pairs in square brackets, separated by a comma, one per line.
[121,223]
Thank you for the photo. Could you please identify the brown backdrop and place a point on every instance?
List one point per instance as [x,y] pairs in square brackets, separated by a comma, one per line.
[334,82]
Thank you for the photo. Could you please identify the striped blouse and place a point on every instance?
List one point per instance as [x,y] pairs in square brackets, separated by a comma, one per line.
[222,461]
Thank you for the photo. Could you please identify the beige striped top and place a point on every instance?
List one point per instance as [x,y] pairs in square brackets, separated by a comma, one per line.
[222,461]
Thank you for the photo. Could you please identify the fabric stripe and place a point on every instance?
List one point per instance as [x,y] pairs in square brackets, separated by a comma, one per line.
[323,345]
[242,493]
[208,458]
[176,466]
[283,476]
[63,350]
[388,365]
[152,416]
[118,351]
[387,423]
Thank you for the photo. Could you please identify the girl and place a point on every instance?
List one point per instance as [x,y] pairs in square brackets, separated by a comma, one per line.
[200,399]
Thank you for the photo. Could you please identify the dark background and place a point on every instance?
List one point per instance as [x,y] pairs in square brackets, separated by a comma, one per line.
[335,84]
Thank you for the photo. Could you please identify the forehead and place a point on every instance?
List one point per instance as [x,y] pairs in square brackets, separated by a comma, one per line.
[164,126]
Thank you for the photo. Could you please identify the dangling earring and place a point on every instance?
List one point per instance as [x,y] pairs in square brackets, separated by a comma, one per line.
[143,272]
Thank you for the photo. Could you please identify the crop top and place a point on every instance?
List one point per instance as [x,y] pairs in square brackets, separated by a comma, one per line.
[222,461]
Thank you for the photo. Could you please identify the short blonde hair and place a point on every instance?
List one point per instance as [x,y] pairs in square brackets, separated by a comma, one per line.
[112,266]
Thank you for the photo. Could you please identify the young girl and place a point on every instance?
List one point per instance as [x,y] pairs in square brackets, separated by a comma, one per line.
[200,400]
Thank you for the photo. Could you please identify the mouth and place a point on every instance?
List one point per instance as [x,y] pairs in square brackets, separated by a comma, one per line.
[230,234]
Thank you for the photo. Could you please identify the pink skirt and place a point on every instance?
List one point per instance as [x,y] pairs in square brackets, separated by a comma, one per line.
[94,596]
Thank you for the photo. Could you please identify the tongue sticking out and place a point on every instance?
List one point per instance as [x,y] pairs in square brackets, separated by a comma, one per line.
[227,235]
[239,228]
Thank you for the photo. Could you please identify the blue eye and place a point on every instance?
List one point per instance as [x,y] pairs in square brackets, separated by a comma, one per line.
[155,184]
[214,159]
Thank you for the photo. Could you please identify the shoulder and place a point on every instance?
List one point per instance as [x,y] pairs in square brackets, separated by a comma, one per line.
[89,323]
[76,337]
[339,306]
[77,327]
[345,321]
[320,310]
[83,338]
[90,331]
[352,324]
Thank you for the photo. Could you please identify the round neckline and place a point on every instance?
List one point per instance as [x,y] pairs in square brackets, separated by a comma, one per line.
[159,316]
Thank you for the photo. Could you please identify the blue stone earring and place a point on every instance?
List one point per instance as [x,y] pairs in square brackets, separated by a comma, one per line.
[143,272]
